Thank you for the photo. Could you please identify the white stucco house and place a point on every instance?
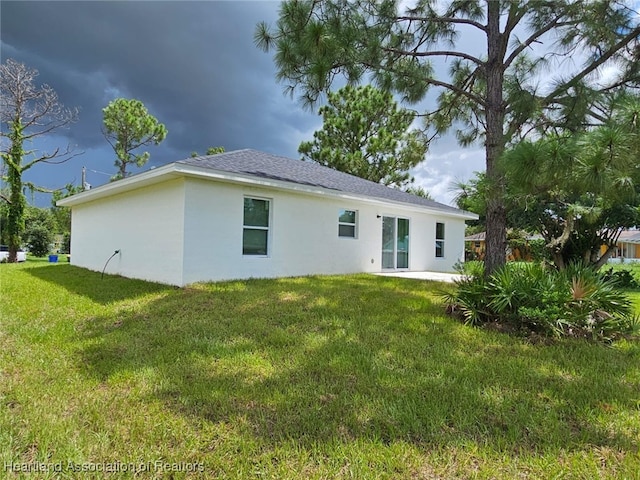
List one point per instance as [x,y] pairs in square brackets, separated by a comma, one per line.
[247,213]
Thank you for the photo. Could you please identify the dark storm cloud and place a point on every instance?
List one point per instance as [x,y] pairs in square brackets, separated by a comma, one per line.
[193,64]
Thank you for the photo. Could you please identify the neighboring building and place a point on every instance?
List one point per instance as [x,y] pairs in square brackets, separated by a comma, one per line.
[627,248]
[475,246]
[249,214]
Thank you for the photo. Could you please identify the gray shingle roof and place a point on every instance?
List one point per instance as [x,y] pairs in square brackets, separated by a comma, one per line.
[266,165]
[630,236]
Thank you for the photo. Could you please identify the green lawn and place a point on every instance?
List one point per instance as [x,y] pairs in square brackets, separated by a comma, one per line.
[321,377]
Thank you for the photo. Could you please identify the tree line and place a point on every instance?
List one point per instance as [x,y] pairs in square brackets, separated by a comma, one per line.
[501,95]
[534,69]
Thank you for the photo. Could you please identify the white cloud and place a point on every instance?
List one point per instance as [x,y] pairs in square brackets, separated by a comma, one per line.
[445,165]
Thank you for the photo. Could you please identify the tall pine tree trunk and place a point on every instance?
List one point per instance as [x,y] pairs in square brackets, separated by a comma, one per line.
[496,234]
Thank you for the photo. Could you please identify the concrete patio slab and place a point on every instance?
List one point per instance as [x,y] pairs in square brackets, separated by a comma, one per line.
[436,276]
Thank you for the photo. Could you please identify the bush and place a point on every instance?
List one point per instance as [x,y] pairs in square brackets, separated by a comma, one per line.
[471,267]
[38,240]
[622,278]
[532,298]
[66,244]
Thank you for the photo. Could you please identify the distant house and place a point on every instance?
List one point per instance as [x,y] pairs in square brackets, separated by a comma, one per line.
[247,214]
[627,248]
[475,247]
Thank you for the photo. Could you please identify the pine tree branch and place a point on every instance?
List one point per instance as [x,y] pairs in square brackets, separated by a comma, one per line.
[532,38]
[634,34]
[435,53]
[471,96]
[454,20]
[515,15]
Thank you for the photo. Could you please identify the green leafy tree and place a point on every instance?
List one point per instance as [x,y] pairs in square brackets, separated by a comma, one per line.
[365,133]
[40,227]
[579,190]
[472,196]
[128,126]
[210,151]
[27,112]
[62,215]
[38,240]
[494,96]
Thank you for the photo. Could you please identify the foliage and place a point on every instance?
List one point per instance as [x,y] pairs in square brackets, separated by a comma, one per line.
[66,243]
[527,297]
[472,196]
[27,112]
[622,278]
[538,250]
[418,191]
[4,216]
[210,151]
[495,95]
[127,126]
[632,268]
[336,377]
[365,133]
[63,214]
[40,226]
[38,240]
[579,189]
[473,268]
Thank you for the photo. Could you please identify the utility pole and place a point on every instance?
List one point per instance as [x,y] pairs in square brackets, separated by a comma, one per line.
[85,185]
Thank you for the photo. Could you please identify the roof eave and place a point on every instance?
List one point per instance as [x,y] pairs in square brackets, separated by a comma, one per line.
[178,169]
[149,177]
[247,179]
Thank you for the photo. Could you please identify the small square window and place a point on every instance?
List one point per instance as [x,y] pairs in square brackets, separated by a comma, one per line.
[347,223]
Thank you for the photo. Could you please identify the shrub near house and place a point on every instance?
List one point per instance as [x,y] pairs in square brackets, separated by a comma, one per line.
[531,298]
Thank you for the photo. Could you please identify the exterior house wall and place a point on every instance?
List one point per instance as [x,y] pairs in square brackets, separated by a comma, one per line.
[303,236]
[145,224]
[454,243]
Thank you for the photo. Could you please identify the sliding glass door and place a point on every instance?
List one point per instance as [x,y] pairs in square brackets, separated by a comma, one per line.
[395,242]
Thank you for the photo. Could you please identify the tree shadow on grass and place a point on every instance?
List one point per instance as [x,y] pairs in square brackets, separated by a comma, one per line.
[104,290]
[320,359]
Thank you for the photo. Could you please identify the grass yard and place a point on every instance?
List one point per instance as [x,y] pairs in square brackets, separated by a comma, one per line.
[321,377]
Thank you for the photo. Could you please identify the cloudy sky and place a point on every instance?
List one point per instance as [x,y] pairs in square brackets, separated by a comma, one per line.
[195,67]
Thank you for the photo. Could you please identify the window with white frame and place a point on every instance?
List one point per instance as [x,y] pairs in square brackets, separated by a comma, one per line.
[347,223]
[255,230]
[439,240]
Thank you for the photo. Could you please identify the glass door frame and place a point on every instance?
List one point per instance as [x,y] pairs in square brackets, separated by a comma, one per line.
[395,242]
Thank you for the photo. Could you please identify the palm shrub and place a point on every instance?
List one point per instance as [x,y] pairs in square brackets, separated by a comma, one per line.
[469,301]
[597,307]
[531,297]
